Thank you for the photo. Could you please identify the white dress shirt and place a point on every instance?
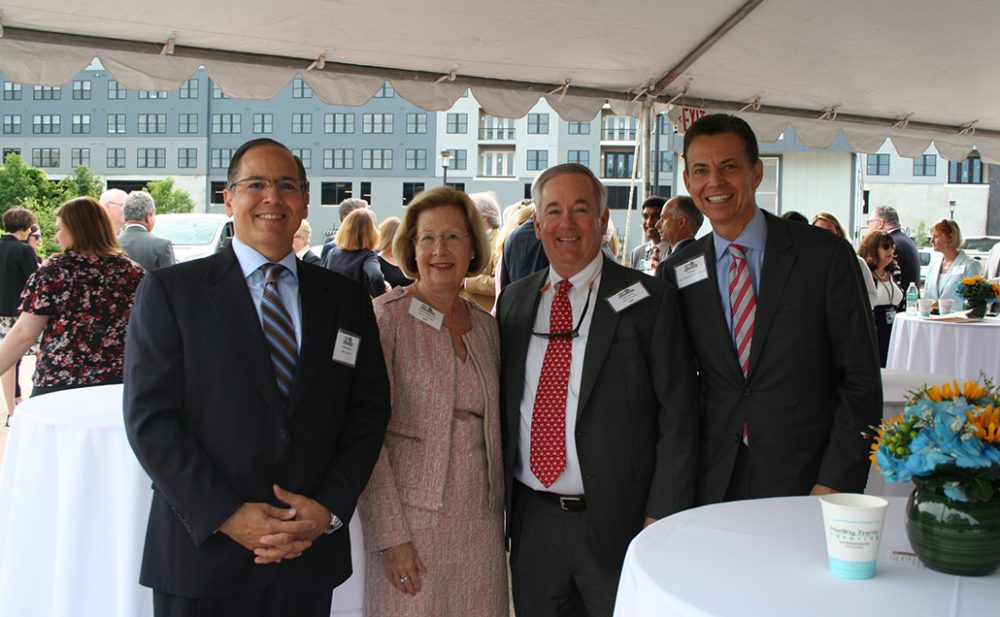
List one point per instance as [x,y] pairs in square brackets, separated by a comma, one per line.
[571,480]
[288,286]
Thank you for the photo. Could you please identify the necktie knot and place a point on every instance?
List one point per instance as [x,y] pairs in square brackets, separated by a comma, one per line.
[737,251]
[272,272]
[563,287]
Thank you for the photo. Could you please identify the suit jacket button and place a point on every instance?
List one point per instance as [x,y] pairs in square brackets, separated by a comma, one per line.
[746,391]
[283,434]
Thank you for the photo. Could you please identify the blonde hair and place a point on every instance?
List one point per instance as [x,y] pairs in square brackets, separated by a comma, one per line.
[403,248]
[838,229]
[949,229]
[357,231]
[387,233]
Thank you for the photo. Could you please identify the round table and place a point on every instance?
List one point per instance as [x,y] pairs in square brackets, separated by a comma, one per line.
[959,350]
[768,557]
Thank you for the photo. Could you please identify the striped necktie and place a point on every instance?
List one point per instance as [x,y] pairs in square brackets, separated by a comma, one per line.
[279,330]
[743,304]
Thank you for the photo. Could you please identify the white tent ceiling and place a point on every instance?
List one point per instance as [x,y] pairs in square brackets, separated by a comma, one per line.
[915,71]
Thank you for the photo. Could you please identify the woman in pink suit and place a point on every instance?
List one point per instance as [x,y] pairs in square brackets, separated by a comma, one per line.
[432,513]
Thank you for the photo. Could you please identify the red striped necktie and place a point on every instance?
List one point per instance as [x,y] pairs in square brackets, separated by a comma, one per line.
[743,304]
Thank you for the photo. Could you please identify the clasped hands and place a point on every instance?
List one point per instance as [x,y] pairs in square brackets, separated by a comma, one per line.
[274,533]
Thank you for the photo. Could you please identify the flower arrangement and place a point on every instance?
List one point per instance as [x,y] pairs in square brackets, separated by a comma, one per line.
[947,439]
[977,289]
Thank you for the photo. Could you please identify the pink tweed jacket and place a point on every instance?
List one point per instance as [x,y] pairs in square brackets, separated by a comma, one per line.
[413,466]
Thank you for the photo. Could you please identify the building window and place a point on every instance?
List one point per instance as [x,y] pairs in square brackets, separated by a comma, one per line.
[538,124]
[152,158]
[187,158]
[376,123]
[767,191]
[376,158]
[188,90]
[152,123]
[217,92]
[8,151]
[116,124]
[666,161]
[619,128]
[878,165]
[115,91]
[416,123]
[338,158]
[385,92]
[459,159]
[411,190]
[366,191]
[332,193]
[152,94]
[580,157]
[215,189]
[665,129]
[187,123]
[227,123]
[45,157]
[579,128]
[81,124]
[338,123]
[116,158]
[969,171]
[416,159]
[11,91]
[263,123]
[494,163]
[618,197]
[925,165]
[79,156]
[302,123]
[305,155]
[618,164]
[301,90]
[538,160]
[81,90]
[221,157]
[457,123]
[492,127]
[12,125]
[48,93]
[46,123]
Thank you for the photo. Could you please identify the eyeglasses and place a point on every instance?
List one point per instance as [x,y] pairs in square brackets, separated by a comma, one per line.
[450,240]
[255,186]
[35,236]
[575,332]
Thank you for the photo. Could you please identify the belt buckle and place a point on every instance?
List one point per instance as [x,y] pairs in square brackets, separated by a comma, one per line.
[564,501]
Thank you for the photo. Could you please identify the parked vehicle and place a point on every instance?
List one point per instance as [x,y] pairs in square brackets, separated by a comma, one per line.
[195,235]
[978,247]
[925,260]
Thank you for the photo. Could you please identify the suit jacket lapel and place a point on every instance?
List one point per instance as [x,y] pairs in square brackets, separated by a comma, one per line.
[708,303]
[601,332]
[319,313]
[229,297]
[774,273]
[518,326]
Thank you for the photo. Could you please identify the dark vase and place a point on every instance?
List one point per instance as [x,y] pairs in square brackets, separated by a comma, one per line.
[977,308]
[954,537]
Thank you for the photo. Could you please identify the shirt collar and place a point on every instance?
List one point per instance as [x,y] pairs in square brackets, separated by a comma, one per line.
[753,236]
[582,278]
[251,261]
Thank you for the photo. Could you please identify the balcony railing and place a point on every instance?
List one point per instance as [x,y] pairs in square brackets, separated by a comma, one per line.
[494,134]
[618,134]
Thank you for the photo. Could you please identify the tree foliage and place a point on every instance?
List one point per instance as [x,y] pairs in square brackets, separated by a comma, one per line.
[83,183]
[167,198]
[21,183]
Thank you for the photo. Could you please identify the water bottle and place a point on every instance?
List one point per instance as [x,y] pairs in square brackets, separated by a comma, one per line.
[911,299]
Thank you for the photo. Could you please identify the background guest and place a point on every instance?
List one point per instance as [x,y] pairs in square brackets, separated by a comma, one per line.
[796,216]
[482,287]
[949,264]
[113,201]
[34,240]
[878,250]
[648,255]
[346,207]
[79,301]
[354,256]
[885,218]
[829,222]
[433,508]
[137,239]
[17,262]
[300,244]
[394,277]
[522,212]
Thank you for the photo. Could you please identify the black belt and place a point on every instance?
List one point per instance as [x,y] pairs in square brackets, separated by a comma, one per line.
[567,503]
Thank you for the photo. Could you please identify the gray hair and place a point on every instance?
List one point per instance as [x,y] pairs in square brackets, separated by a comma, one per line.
[305,230]
[600,193]
[116,195]
[138,205]
[685,206]
[350,205]
[488,206]
[888,215]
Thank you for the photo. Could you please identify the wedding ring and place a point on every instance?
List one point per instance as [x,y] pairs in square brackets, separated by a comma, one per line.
[403,579]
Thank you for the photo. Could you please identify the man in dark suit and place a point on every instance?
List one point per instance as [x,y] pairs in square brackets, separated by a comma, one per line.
[599,409]
[679,221]
[137,239]
[885,218]
[648,255]
[781,330]
[522,254]
[300,244]
[258,440]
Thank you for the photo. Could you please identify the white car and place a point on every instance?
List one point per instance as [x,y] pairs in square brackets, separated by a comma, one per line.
[195,235]
[978,247]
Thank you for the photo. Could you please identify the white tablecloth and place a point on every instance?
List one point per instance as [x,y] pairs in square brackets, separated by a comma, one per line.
[959,350]
[768,557]
[73,509]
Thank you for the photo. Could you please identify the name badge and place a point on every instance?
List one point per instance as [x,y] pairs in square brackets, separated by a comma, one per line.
[345,348]
[691,271]
[426,313]
[628,296]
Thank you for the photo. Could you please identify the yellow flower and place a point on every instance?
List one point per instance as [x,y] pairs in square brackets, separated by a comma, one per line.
[973,391]
[880,434]
[987,423]
[996,290]
[969,280]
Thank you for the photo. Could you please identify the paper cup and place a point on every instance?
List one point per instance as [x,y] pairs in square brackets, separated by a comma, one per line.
[853,525]
[945,306]
[924,307]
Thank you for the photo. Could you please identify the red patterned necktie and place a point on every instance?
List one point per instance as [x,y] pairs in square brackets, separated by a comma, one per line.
[743,304]
[654,258]
[548,420]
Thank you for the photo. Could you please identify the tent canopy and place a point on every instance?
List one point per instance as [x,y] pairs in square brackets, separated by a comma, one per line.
[915,72]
